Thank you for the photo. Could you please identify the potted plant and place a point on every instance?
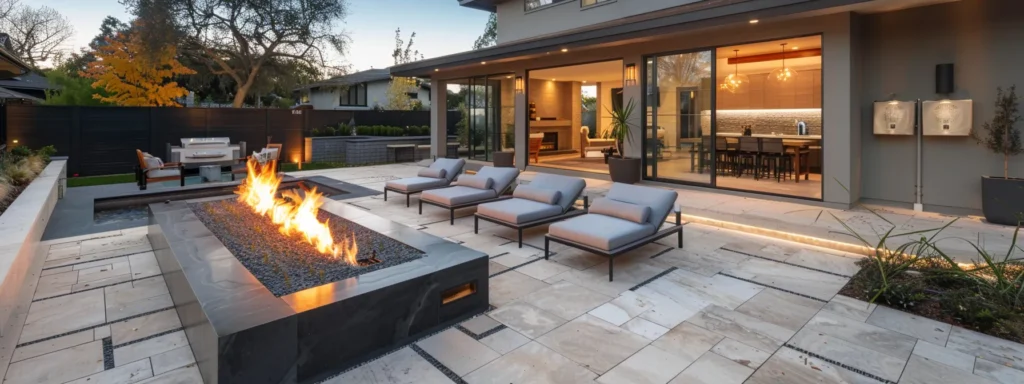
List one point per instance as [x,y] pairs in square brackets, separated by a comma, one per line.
[1001,196]
[621,168]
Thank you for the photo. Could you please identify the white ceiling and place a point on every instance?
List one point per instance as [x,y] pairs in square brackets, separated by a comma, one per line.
[591,73]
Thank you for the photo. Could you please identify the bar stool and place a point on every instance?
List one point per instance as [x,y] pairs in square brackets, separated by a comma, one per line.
[774,158]
[748,155]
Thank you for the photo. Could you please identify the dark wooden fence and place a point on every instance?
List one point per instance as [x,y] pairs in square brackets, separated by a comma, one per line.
[103,140]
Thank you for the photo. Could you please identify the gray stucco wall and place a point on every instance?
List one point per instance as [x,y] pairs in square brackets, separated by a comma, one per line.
[985,41]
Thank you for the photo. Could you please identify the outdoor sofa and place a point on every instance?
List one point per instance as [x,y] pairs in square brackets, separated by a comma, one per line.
[547,199]
[487,185]
[628,217]
[438,175]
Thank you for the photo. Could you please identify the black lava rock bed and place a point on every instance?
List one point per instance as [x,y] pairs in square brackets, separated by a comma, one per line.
[288,264]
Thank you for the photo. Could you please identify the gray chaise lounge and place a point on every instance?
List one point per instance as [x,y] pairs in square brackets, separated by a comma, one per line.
[485,186]
[547,199]
[628,217]
[438,175]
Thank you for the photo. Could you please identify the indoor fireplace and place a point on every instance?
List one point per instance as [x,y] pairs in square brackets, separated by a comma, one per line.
[550,142]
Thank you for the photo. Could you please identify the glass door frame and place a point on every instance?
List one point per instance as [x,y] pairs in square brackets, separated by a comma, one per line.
[654,114]
[490,95]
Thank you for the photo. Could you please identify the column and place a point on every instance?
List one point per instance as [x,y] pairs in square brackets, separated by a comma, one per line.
[438,118]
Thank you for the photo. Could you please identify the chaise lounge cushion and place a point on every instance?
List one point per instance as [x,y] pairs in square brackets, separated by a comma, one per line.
[517,210]
[636,213]
[569,187]
[478,182]
[416,184]
[540,195]
[451,167]
[503,177]
[457,195]
[600,231]
[659,200]
[435,173]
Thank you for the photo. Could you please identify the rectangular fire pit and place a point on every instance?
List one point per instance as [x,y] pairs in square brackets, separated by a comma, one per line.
[300,320]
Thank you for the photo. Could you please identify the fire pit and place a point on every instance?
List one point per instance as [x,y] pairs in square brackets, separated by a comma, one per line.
[285,286]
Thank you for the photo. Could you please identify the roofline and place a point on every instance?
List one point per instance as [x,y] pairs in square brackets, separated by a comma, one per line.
[489,6]
[21,95]
[13,59]
[712,13]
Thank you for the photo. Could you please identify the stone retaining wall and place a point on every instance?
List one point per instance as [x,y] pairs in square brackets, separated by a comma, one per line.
[357,150]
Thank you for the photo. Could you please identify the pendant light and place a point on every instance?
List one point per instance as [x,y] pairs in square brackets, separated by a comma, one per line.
[735,82]
[784,74]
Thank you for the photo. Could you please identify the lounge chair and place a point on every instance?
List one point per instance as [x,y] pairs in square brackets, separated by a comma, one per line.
[438,175]
[152,169]
[595,144]
[547,199]
[628,217]
[485,186]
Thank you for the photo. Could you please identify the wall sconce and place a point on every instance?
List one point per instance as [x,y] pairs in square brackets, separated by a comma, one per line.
[630,74]
[519,84]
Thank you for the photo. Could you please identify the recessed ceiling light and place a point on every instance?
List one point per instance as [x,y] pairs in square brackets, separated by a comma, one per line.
[508,77]
[436,69]
[565,49]
[754,21]
[483,62]
[584,81]
[796,48]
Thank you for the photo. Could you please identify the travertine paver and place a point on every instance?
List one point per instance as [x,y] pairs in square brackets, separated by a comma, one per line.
[729,307]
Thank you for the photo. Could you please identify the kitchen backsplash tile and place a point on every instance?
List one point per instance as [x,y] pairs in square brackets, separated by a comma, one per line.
[764,121]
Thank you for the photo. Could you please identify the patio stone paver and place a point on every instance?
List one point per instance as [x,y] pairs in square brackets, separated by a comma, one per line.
[565,300]
[531,363]
[688,341]
[647,329]
[987,347]
[850,308]
[791,278]
[58,367]
[921,370]
[401,367]
[945,356]
[649,366]
[63,314]
[741,327]
[128,373]
[595,344]
[147,348]
[792,367]
[457,351]
[480,324]
[512,285]
[862,334]
[713,369]
[998,372]
[172,360]
[622,309]
[740,353]
[531,321]
[920,327]
[780,308]
[505,341]
[871,361]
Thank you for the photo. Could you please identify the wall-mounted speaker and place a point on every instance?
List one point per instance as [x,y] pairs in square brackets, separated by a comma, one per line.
[944,78]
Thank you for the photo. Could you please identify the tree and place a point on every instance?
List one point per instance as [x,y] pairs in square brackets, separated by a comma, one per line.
[132,78]
[490,36]
[36,33]
[76,63]
[400,87]
[71,90]
[1001,134]
[241,38]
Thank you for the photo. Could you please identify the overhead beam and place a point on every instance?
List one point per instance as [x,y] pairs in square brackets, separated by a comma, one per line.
[811,52]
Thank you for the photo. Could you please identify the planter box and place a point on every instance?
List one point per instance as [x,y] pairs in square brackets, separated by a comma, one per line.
[1001,199]
[21,227]
[357,150]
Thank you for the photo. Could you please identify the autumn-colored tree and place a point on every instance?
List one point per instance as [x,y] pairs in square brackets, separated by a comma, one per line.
[132,77]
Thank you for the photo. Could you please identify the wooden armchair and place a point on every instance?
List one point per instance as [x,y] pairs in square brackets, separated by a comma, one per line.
[145,174]
[536,140]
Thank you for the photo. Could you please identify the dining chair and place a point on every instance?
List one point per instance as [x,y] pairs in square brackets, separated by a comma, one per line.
[774,159]
[748,155]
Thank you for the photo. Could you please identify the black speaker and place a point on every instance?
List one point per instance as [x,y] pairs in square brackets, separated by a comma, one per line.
[944,78]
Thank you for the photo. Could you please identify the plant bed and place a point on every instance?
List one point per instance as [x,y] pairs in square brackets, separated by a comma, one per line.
[296,265]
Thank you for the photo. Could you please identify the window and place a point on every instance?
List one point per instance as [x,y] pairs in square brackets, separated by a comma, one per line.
[587,3]
[413,95]
[353,96]
[534,4]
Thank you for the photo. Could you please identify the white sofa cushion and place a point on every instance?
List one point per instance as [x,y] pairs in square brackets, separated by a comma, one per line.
[457,195]
[518,211]
[416,184]
[475,181]
[436,173]
[636,213]
[599,231]
[540,195]
[163,173]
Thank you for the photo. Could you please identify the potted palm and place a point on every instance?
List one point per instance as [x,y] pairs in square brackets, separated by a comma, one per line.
[621,168]
[1001,196]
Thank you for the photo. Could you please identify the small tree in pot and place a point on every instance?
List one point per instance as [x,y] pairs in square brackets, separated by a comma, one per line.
[1001,196]
[622,169]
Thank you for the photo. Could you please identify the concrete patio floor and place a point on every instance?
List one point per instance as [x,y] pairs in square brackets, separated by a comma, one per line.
[730,307]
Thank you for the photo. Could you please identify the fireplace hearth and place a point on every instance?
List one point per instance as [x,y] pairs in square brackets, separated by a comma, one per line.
[241,332]
[550,142]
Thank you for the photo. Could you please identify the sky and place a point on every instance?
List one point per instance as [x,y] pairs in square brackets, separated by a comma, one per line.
[442,26]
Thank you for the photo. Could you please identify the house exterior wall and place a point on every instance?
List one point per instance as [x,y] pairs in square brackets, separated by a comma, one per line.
[982,38]
[515,23]
[376,94]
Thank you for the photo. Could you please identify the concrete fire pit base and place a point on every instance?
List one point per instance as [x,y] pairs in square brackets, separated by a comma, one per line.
[241,333]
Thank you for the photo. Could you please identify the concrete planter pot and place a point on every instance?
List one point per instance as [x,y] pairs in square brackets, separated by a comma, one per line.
[504,159]
[624,170]
[1001,199]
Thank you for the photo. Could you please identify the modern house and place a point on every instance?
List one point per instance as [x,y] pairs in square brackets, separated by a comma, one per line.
[28,87]
[721,84]
[357,91]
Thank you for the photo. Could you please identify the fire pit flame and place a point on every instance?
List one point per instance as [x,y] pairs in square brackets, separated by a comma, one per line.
[294,213]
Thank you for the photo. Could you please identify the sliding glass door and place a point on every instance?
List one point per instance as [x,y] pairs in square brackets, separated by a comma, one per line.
[678,127]
[488,116]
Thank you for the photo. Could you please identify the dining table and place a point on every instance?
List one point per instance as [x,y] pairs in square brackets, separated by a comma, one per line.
[796,143]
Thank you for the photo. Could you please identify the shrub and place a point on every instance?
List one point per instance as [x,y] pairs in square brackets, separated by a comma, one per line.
[315,132]
[46,152]
[329,131]
[20,173]
[20,152]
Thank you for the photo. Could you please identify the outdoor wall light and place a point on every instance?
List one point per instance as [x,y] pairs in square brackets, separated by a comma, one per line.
[630,74]
[519,84]
[565,50]
[754,21]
